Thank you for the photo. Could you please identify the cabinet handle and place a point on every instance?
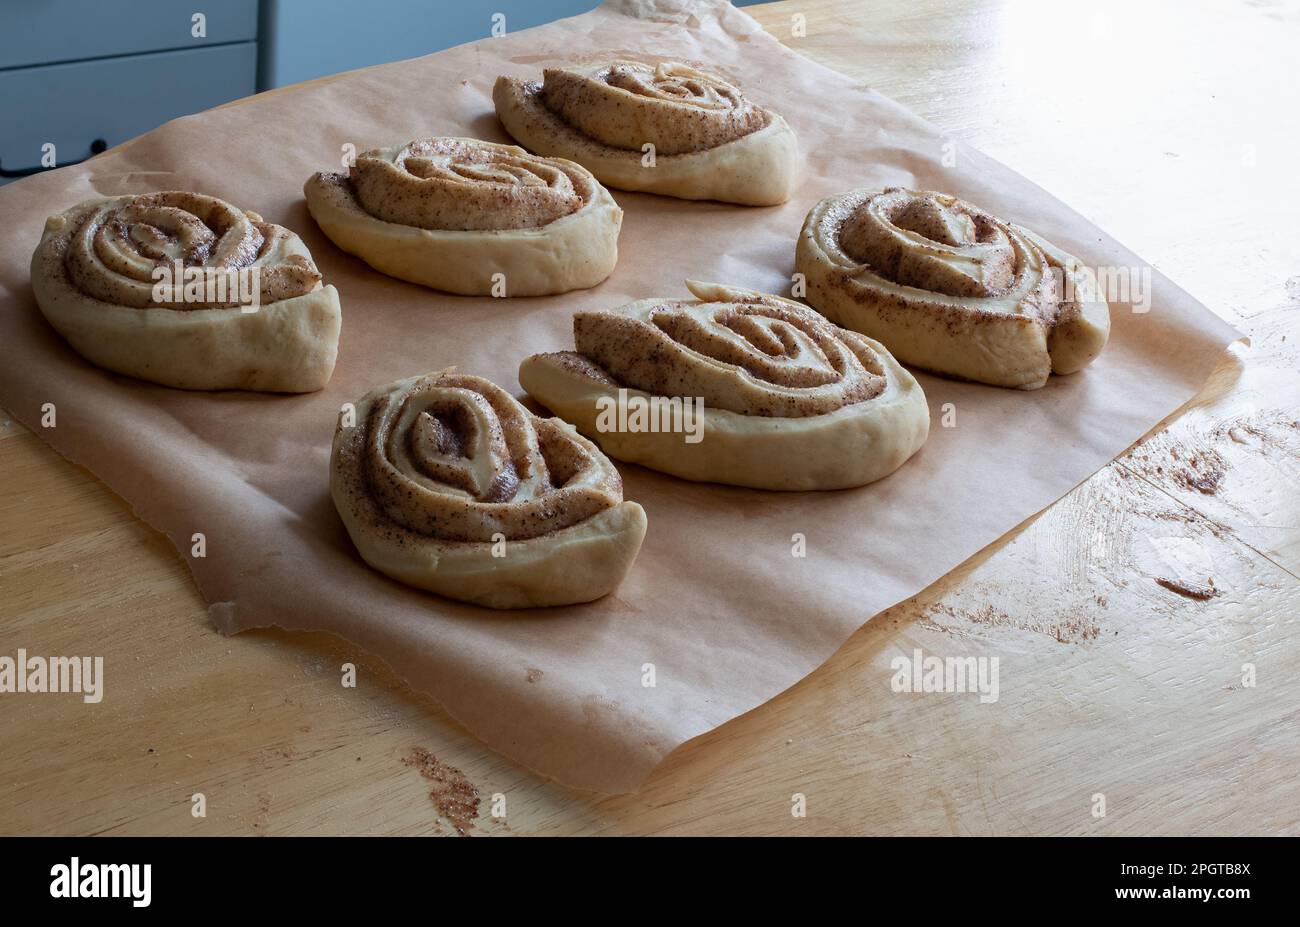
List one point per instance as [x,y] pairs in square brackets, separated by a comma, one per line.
[97,146]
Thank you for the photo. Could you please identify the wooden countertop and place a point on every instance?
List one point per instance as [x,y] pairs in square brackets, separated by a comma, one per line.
[1173,126]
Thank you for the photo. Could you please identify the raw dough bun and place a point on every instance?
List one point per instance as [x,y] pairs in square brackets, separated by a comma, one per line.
[789,400]
[948,287]
[452,213]
[710,143]
[92,274]
[433,473]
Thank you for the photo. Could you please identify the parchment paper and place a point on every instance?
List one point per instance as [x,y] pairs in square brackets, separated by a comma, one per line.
[716,601]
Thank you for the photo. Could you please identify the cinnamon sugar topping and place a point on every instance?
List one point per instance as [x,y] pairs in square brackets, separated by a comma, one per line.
[459,184]
[111,249]
[754,357]
[457,458]
[626,104]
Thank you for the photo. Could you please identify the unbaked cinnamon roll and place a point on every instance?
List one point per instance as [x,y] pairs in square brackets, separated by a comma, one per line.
[664,128]
[445,482]
[949,287]
[471,217]
[734,387]
[188,291]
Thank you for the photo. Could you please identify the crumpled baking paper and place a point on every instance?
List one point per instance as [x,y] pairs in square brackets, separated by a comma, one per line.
[717,611]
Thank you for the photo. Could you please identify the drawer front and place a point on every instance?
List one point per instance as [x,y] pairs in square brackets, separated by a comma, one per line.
[114,99]
[47,31]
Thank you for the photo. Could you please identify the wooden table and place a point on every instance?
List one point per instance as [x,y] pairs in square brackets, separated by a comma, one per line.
[1172,125]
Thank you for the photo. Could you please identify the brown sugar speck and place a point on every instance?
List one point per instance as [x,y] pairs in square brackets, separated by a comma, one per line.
[1066,626]
[453,795]
[1203,473]
[1190,590]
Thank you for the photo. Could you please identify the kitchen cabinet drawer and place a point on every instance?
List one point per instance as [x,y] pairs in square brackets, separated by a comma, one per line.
[113,99]
[37,32]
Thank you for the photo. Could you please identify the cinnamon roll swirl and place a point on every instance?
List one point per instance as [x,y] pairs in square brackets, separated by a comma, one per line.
[664,128]
[188,291]
[445,482]
[471,217]
[949,287]
[734,387]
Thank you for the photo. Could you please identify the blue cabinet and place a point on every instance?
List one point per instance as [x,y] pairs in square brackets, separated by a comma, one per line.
[83,107]
[36,32]
[77,76]
[302,39]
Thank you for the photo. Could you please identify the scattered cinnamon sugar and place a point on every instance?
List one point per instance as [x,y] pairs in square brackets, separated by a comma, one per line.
[1202,473]
[1066,627]
[1261,430]
[1190,590]
[453,794]
[263,812]
[1202,468]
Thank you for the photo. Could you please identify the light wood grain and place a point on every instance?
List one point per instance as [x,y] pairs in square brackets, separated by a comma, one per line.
[1110,682]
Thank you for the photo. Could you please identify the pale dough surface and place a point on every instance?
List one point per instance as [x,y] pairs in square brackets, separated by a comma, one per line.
[287,346]
[852,446]
[579,563]
[755,170]
[967,337]
[573,252]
